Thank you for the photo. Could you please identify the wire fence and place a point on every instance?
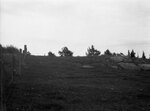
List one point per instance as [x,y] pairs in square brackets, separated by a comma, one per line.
[10,69]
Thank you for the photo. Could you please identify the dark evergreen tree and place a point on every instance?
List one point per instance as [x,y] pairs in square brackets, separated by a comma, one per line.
[91,51]
[132,54]
[114,54]
[143,55]
[107,52]
[65,52]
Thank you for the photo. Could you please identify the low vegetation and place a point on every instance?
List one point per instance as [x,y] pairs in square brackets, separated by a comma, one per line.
[110,82]
[63,84]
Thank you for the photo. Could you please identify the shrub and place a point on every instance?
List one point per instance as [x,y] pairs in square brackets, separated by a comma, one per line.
[51,54]
[28,53]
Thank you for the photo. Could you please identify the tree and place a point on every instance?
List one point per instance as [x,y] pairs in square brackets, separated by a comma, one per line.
[10,49]
[51,54]
[143,55]
[132,54]
[91,51]
[65,52]
[107,52]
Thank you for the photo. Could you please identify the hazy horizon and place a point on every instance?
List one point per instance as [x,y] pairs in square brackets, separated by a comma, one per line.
[49,25]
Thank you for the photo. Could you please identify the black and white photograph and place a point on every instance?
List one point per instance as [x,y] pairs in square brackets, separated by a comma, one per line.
[74,55]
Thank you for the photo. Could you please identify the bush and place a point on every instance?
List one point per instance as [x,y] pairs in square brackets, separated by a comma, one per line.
[51,54]
[28,53]
[91,51]
[65,52]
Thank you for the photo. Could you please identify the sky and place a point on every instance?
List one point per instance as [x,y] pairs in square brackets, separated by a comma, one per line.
[49,25]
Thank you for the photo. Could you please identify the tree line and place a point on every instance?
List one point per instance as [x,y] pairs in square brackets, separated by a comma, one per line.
[65,52]
[91,51]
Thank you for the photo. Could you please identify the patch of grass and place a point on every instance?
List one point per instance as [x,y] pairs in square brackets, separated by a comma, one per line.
[61,84]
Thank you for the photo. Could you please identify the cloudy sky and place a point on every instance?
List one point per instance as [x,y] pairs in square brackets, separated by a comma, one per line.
[49,25]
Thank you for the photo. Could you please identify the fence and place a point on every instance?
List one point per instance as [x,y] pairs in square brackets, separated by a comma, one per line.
[10,67]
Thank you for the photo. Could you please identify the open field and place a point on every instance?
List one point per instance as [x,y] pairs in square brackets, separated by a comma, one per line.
[62,84]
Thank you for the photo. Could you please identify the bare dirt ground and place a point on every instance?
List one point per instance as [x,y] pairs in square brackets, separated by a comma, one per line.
[62,84]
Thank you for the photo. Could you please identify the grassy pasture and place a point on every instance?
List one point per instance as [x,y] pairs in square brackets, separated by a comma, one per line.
[62,84]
